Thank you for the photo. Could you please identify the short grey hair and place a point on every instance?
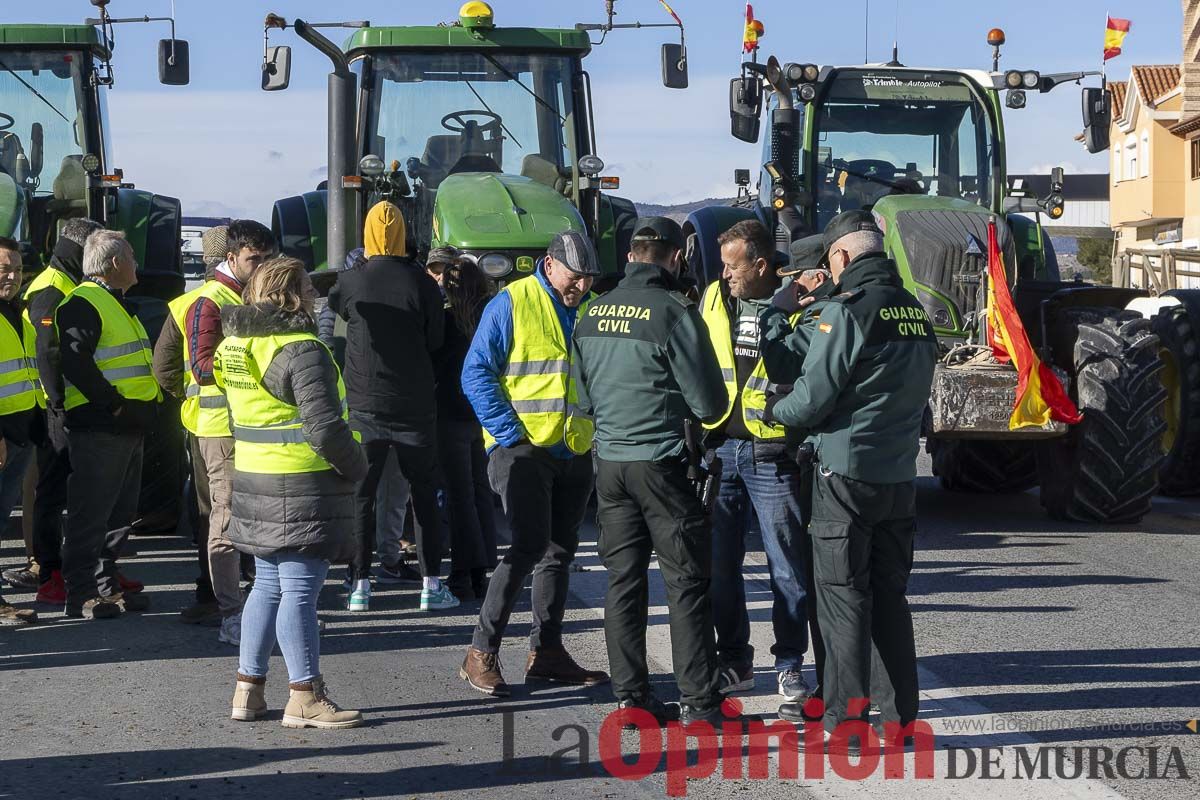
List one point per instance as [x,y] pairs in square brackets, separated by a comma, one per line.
[814,272]
[79,229]
[101,248]
[860,242]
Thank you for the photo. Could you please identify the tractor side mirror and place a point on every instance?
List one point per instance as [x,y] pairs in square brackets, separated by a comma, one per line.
[745,107]
[36,149]
[277,68]
[173,62]
[674,66]
[1097,119]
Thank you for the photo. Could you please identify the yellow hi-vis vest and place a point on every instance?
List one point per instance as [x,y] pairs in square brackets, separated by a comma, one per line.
[754,393]
[20,389]
[123,352]
[204,411]
[267,431]
[537,378]
[50,276]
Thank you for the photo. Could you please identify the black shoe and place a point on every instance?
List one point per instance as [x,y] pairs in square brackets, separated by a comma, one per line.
[801,711]
[713,715]
[662,712]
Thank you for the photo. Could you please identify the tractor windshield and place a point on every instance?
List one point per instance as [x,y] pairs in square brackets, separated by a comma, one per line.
[41,116]
[881,133]
[438,113]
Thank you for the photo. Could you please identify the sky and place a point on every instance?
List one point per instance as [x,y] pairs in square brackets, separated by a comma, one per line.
[226,148]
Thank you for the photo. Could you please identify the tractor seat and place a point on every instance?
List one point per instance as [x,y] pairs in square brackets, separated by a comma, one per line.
[441,153]
[10,148]
[543,170]
[70,194]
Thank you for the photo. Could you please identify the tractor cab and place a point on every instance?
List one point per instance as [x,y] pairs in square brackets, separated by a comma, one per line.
[51,132]
[482,145]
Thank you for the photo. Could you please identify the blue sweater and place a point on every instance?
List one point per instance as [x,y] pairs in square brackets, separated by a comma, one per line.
[487,358]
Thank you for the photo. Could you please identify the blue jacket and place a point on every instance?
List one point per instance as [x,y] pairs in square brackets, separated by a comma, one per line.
[487,358]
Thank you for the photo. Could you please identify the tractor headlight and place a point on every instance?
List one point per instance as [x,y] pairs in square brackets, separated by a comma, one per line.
[496,265]
[936,308]
[1030,80]
[1012,79]
[808,92]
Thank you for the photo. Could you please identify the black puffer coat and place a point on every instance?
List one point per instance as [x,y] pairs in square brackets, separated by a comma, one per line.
[308,513]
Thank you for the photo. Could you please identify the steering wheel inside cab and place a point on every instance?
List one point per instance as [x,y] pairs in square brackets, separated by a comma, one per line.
[6,121]
[481,141]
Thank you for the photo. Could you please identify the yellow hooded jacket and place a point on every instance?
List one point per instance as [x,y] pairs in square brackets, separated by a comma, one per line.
[384,231]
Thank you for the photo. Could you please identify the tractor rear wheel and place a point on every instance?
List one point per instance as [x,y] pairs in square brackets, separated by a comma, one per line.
[1105,469]
[1180,352]
[983,466]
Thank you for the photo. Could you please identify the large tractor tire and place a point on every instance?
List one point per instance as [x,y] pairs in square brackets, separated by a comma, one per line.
[1105,469]
[1178,331]
[982,466]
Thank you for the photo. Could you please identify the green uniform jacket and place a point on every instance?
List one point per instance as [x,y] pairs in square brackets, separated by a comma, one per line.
[643,363]
[783,347]
[866,377]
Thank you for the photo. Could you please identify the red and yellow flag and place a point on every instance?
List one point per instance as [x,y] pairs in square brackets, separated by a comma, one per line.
[671,11]
[1040,397]
[754,31]
[1114,36]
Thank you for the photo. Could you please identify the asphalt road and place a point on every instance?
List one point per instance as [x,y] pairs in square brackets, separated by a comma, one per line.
[1075,639]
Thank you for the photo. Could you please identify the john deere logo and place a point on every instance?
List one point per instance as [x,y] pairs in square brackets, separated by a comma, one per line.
[974,247]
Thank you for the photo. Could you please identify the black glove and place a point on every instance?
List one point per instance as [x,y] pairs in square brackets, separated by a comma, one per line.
[787,299]
[772,401]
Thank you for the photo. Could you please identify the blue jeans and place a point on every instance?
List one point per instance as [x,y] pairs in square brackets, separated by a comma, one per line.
[283,605]
[772,491]
[12,476]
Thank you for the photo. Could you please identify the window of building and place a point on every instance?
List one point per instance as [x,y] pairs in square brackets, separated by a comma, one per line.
[1131,158]
[1144,155]
[1195,158]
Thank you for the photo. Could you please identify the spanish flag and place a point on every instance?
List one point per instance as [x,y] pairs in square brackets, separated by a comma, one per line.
[754,31]
[1040,397]
[1114,36]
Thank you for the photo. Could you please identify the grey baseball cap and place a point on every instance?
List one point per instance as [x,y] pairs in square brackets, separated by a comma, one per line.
[806,253]
[574,250]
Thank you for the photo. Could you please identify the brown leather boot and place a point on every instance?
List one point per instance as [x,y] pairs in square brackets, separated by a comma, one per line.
[555,664]
[482,671]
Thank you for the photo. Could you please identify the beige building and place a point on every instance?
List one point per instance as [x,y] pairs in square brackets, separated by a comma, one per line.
[1155,169]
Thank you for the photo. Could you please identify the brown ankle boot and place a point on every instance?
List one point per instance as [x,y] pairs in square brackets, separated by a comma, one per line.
[310,707]
[482,671]
[249,698]
[555,664]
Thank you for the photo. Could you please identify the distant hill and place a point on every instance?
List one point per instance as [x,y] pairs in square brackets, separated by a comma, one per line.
[679,211]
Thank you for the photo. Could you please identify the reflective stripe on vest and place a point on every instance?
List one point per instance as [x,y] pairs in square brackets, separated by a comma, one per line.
[50,276]
[123,353]
[537,377]
[203,411]
[754,393]
[268,432]
[19,386]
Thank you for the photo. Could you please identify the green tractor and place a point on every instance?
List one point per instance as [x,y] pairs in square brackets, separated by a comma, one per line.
[56,164]
[483,136]
[924,150]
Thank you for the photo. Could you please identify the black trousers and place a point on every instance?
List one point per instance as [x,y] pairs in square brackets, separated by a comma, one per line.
[104,486]
[470,513]
[814,625]
[544,499]
[862,537]
[646,506]
[203,501]
[50,497]
[419,466]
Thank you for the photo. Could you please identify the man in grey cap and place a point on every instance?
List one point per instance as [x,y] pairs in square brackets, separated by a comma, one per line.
[516,376]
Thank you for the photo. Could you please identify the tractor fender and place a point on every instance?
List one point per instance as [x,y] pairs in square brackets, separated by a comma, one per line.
[700,231]
[298,223]
[1149,306]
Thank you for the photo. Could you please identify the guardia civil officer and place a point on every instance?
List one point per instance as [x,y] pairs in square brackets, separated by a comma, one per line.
[861,397]
[643,364]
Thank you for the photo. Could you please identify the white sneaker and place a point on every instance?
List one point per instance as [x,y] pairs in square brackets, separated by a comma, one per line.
[231,630]
[438,599]
[360,597]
